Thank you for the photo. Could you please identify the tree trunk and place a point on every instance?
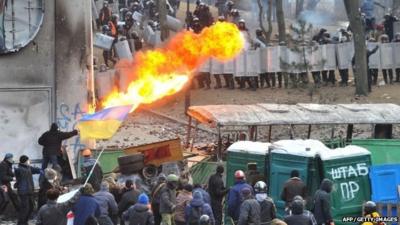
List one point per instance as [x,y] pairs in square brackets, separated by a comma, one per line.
[260,16]
[162,11]
[396,7]
[269,19]
[361,69]
[281,21]
[299,7]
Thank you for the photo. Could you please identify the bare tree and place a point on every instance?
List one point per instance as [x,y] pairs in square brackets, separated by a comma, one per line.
[281,21]
[299,7]
[268,32]
[269,19]
[162,11]
[396,7]
[361,70]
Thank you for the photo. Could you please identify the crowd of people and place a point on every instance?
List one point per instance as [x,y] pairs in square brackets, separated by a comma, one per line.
[172,200]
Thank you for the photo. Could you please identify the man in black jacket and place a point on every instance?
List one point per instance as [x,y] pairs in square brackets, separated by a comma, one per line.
[217,192]
[51,142]
[25,187]
[297,217]
[128,199]
[250,210]
[6,176]
[322,203]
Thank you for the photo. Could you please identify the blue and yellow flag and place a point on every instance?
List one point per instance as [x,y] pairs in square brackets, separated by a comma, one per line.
[102,124]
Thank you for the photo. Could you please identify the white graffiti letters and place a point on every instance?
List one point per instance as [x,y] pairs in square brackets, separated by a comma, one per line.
[344,172]
[349,190]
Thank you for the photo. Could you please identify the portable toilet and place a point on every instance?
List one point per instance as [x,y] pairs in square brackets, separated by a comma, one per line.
[348,169]
[289,155]
[241,154]
[385,188]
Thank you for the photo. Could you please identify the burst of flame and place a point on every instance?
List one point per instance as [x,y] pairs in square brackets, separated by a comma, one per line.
[163,72]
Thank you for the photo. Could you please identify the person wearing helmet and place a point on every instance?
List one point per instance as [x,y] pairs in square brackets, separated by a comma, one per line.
[51,142]
[107,54]
[156,197]
[372,71]
[397,69]
[292,187]
[104,14]
[228,7]
[371,212]
[217,192]
[88,163]
[322,203]
[268,210]
[388,23]
[168,200]
[250,211]
[297,217]
[386,72]
[220,4]
[235,197]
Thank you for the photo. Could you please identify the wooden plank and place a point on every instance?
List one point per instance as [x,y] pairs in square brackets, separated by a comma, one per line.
[389,209]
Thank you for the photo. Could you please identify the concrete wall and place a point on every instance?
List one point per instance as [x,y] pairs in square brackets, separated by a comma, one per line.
[48,80]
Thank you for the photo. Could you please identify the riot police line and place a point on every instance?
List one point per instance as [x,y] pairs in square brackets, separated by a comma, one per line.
[275,59]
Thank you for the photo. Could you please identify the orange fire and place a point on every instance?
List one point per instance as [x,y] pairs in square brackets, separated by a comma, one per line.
[163,72]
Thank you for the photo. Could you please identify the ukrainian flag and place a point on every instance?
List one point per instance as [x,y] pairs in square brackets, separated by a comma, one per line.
[103,124]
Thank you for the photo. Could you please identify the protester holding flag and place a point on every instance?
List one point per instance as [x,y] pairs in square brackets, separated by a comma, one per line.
[51,142]
[95,175]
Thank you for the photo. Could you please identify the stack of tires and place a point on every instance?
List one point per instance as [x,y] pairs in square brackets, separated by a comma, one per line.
[130,164]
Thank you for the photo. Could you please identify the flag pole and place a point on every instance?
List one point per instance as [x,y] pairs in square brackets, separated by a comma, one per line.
[91,170]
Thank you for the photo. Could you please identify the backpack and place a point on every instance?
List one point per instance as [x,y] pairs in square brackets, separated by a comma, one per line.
[195,214]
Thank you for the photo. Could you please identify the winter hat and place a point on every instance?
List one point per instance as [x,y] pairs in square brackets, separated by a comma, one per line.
[246,192]
[8,156]
[143,199]
[54,127]
[220,169]
[188,187]
[23,159]
[197,195]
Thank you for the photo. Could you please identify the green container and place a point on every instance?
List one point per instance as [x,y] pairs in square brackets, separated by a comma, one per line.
[383,151]
[108,160]
[281,166]
[288,155]
[348,169]
[240,154]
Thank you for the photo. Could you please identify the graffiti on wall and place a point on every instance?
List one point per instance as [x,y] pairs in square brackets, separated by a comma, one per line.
[348,186]
[67,118]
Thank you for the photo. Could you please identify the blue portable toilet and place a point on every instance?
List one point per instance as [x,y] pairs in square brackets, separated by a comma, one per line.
[385,180]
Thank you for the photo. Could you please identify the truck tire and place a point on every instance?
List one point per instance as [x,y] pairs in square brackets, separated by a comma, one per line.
[132,168]
[130,159]
[150,171]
